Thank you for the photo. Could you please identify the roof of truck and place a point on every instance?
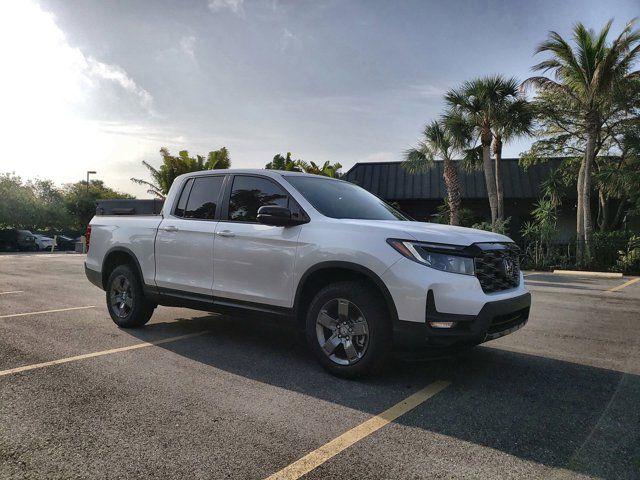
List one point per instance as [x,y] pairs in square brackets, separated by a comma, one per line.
[255,171]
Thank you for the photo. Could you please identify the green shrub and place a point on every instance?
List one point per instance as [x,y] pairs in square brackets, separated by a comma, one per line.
[629,259]
[502,226]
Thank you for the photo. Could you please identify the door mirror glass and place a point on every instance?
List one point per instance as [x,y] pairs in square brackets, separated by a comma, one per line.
[276,216]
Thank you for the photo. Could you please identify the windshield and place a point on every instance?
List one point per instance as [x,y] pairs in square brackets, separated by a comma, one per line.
[338,199]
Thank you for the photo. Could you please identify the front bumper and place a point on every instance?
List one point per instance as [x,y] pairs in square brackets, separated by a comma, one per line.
[495,319]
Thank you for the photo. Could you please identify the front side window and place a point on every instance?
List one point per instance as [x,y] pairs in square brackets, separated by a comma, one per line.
[248,194]
[204,198]
[339,199]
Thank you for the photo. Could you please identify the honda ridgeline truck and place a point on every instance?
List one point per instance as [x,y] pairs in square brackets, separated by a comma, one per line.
[356,274]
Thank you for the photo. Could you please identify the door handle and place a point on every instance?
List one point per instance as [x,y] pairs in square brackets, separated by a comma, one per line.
[226,233]
[170,228]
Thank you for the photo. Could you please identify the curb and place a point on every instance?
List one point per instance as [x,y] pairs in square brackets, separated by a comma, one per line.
[578,273]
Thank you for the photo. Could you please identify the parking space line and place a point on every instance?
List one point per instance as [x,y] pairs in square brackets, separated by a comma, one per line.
[97,354]
[46,311]
[625,284]
[328,450]
[14,291]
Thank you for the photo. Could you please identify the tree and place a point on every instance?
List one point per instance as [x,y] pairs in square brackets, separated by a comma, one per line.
[18,208]
[172,166]
[286,163]
[514,118]
[42,206]
[438,143]
[80,201]
[474,111]
[218,159]
[326,169]
[589,74]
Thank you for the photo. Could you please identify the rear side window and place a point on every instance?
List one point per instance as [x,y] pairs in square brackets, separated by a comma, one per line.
[184,196]
[204,198]
[250,193]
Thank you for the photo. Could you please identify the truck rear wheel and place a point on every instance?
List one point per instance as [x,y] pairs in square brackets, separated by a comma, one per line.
[348,329]
[126,302]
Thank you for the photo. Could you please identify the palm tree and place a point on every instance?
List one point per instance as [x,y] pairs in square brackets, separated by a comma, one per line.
[590,73]
[438,143]
[284,163]
[514,118]
[172,166]
[218,159]
[327,169]
[474,111]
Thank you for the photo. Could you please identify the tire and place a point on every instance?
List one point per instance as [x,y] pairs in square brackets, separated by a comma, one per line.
[135,310]
[335,316]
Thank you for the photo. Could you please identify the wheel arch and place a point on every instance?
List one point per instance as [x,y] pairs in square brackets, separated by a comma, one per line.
[325,273]
[115,257]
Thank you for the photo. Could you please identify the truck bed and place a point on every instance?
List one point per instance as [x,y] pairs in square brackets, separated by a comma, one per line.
[135,233]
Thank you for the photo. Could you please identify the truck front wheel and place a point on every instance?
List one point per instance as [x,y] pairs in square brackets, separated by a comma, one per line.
[126,302]
[348,329]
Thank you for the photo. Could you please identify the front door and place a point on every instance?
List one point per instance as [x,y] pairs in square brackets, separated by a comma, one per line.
[184,244]
[254,262]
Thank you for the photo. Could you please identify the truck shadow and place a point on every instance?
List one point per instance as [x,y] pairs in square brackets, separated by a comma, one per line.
[552,412]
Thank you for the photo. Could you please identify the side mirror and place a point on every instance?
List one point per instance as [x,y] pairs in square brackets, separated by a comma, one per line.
[277,216]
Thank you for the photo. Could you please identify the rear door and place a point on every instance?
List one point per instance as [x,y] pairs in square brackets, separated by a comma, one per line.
[253,263]
[184,244]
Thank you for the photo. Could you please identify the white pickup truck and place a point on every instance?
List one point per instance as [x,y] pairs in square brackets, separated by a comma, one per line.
[356,274]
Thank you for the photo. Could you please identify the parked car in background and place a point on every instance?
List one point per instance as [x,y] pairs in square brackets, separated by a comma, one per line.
[65,243]
[43,242]
[12,240]
[26,241]
[8,240]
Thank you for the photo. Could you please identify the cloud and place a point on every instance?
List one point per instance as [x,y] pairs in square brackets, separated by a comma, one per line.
[53,97]
[286,39]
[53,74]
[426,91]
[233,5]
[113,73]
[187,45]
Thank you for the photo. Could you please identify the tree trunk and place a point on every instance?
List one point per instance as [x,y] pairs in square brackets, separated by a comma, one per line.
[497,151]
[603,211]
[589,157]
[453,190]
[489,175]
[580,216]
[617,220]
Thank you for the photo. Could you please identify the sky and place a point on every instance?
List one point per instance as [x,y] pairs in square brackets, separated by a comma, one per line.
[103,85]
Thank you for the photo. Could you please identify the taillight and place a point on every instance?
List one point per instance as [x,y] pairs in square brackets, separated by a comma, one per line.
[87,236]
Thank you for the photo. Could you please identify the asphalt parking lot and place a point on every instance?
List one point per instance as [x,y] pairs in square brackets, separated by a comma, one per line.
[197,395]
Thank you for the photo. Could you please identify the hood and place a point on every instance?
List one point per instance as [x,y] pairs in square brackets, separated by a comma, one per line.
[434,232]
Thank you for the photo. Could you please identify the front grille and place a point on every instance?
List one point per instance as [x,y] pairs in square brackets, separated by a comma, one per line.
[498,267]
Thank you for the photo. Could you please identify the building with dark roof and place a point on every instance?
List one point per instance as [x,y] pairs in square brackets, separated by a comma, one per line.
[420,194]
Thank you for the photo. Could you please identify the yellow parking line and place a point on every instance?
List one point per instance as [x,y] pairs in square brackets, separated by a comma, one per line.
[625,284]
[14,291]
[47,311]
[344,441]
[97,354]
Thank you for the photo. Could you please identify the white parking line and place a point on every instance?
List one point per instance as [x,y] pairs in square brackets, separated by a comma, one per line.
[14,291]
[46,311]
[97,354]
[328,450]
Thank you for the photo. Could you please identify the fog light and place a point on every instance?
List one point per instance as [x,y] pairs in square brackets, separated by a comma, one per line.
[442,324]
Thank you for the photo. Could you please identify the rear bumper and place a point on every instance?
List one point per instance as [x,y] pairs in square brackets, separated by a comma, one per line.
[94,276]
[495,319]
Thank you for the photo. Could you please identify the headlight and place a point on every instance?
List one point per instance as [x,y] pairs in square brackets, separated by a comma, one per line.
[441,257]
